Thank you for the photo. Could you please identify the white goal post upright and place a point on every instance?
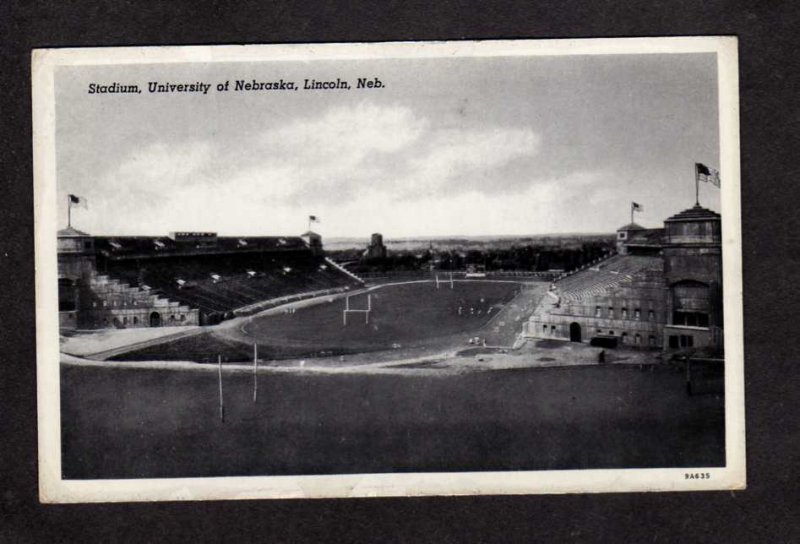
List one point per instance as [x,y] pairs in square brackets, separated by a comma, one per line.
[349,310]
[438,281]
[221,402]
[255,372]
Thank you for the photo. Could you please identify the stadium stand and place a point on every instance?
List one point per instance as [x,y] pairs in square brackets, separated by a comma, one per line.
[219,283]
[190,278]
[595,280]
[662,290]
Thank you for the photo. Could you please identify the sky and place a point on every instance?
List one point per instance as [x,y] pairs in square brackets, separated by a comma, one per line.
[448,146]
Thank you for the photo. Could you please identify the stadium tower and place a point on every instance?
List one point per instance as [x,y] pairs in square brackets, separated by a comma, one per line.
[76,264]
[693,273]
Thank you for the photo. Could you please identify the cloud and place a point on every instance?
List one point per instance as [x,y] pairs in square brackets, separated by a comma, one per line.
[360,158]
[389,150]
[468,160]
[537,207]
[346,150]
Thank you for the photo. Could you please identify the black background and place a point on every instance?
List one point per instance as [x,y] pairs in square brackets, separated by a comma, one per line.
[766,512]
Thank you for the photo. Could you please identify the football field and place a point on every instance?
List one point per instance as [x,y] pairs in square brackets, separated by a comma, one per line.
[414,315]
[399,314]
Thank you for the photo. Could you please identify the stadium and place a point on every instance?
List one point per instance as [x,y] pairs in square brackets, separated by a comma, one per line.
[280,294]
[657,289]
[481,364]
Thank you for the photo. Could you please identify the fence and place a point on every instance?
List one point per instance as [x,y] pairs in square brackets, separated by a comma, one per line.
[265,304]
[457,274]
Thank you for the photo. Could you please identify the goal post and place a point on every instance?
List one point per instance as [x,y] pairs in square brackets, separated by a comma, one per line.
[348,310]
[446,280]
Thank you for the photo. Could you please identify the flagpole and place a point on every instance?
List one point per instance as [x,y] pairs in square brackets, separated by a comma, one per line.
[69,211]
[696,185]
[631,212]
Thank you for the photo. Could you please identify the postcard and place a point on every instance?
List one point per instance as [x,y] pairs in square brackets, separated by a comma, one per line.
[388,269]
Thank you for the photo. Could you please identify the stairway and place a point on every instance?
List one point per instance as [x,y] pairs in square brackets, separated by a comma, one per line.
[117,296]
[340,268]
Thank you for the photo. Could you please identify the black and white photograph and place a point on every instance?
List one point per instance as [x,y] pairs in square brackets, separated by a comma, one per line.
[388,269]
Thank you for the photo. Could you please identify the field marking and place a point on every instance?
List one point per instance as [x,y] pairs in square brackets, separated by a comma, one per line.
[444,363]
[452,364]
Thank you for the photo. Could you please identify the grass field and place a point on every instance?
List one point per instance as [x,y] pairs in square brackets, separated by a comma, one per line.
[403,316]
[159,423]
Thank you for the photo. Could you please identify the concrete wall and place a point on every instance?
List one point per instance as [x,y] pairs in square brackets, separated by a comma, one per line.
[108,303]
[703,264]
[75,266]
[691,282]
[68,321]
[711,337]
[636,308]
[140,317]
[699,263]
[631,333]
[701,231]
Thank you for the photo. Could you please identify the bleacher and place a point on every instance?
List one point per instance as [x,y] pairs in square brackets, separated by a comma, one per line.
[595,280]
[219,283]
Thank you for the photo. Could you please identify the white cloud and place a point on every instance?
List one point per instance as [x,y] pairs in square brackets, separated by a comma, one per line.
[457,160]
[362,168]
[536,208]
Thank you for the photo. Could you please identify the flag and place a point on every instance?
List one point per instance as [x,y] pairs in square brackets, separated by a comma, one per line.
[707,174]
[79,201]
[637,207]
[313,219]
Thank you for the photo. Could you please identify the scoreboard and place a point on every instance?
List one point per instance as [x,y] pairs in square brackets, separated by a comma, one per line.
[194,237]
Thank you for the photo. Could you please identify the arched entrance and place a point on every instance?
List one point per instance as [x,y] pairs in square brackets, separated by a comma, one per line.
[574,332]
[155,319]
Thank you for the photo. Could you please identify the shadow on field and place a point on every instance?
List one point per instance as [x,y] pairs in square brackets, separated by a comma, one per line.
[154,423]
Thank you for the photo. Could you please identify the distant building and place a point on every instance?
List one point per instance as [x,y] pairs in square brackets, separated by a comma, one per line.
[662,290]
[376,249]
[314,242]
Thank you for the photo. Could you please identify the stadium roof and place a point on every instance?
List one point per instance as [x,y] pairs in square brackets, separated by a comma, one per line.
[124,247]
[631,226]
[71,232]
[694,213]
